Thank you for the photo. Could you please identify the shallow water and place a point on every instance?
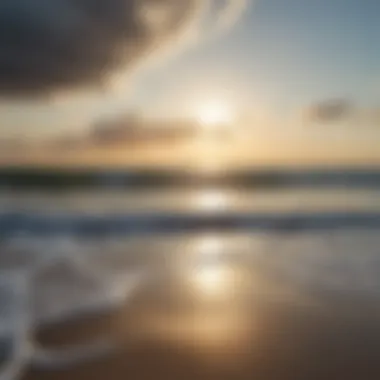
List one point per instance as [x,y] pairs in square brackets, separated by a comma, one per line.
[212,199]
[203,300]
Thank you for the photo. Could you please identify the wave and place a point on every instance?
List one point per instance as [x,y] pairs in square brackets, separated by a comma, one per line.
[113,225]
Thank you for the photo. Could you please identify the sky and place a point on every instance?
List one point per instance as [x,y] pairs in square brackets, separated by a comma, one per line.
[293,52]
[280,59]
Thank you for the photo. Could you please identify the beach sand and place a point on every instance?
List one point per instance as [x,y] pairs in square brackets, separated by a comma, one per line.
[303,308]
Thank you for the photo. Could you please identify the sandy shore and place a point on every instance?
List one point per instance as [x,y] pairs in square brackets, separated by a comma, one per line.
[299,312]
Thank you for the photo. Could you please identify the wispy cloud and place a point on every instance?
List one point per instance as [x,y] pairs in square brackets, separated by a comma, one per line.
[341,111]
[328,111]
[48,46]
[124,129]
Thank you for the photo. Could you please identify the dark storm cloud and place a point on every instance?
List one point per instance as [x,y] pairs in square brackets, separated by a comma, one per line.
[54,45]
[329,111]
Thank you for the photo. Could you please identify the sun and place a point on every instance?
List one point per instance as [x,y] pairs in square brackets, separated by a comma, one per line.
[214,113]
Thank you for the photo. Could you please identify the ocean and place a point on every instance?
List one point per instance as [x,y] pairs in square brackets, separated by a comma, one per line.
[267,273]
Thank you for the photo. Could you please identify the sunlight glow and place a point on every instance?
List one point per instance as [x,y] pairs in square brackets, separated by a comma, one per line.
[209,276]
[210,246]
[205,329]
[214,114]
[211,280]
[211,200]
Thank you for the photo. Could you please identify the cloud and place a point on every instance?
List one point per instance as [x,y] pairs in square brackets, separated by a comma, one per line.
[368,116]
[342,111]
[329,111]
[115,130]
[125,129]
[49,46]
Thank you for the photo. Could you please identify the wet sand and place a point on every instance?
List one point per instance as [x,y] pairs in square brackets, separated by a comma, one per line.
[266,329]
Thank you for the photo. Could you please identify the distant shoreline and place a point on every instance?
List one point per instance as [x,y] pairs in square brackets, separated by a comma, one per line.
[59,178]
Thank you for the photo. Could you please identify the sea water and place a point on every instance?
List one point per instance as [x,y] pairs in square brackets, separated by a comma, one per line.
[82,251]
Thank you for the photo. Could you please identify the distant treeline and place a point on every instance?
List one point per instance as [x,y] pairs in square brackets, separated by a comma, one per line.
[56,179]
[61,179]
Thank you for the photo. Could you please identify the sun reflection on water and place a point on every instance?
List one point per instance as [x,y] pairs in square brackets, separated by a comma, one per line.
[209,246]
[211,201]
[208,306]
[209,273]
[212,280]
